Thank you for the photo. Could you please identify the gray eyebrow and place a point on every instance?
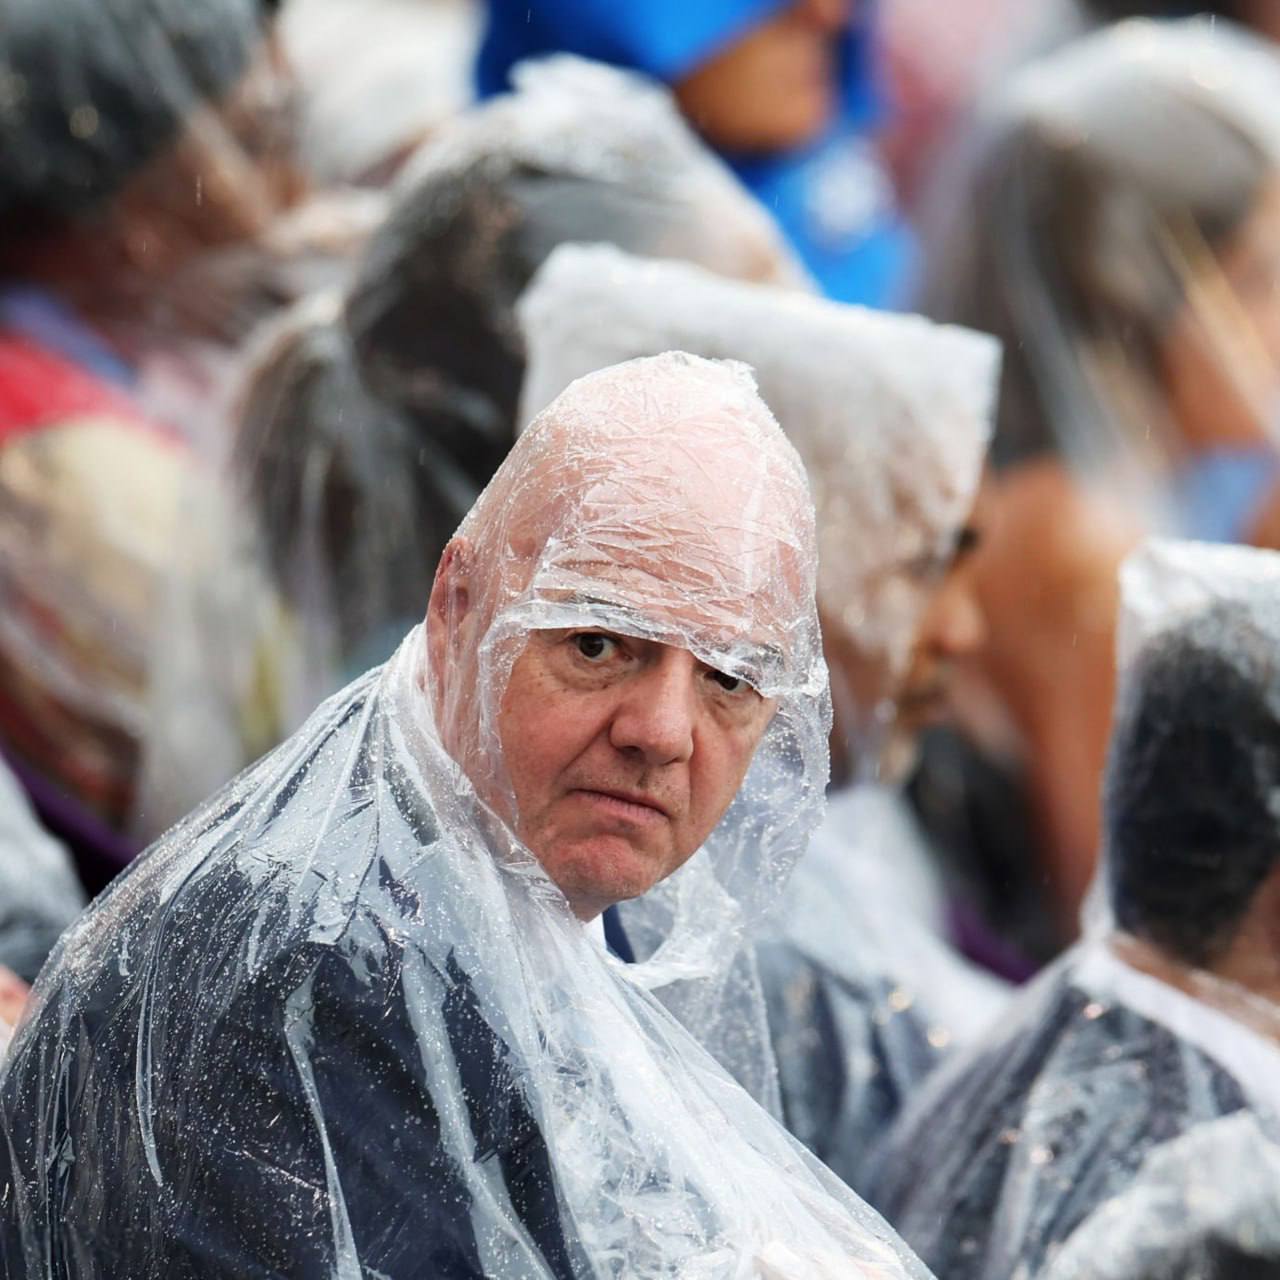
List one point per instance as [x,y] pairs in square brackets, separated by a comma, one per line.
[761,656]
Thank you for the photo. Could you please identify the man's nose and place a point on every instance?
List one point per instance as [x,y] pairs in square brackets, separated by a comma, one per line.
[655,718]
[961,627]
[831,15]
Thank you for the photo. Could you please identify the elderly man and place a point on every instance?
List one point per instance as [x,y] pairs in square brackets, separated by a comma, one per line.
[1167,1015]
[349,1018]
[890,415]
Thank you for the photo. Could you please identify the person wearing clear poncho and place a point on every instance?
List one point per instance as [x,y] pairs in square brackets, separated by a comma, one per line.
[150,215]
[1116,229]
[349,1017]
[1167,1015]
[890,415]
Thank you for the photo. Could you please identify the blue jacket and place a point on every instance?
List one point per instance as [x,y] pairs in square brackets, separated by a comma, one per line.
[831,197]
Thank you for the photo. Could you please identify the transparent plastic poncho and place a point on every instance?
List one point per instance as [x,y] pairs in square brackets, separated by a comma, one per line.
[1110,223]
[1190,1214]
[340,1022]
[891,415]
[1126,1043]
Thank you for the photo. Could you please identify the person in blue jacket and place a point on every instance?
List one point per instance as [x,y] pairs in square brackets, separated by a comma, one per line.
[785,90]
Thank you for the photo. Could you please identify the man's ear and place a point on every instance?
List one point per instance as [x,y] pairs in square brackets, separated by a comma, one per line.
[450,601]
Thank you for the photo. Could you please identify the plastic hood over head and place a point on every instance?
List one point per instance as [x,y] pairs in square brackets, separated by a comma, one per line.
[1192,789]
[891,415]
[1108,234]
[340,1022]
[659,499]
[1164,584]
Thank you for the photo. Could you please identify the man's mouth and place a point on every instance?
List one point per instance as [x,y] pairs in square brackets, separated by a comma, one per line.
[626,804]
[926,703]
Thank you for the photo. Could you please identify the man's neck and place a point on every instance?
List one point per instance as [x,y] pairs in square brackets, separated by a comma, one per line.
[1248,992]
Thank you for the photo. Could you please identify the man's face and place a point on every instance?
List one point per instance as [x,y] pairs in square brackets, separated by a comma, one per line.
[953,627]
[775,87]
[895,709]
[623,755]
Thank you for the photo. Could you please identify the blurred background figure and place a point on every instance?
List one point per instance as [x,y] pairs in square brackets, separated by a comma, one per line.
[1189,1214]
[1168,1014]
[141,141]
[39,892]
[891,416]
[146,143]
[376,78]
[1119,231]
[370,420]
[787,90]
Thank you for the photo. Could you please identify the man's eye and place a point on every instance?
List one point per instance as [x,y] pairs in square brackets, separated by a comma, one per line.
[731,684]
[593,646]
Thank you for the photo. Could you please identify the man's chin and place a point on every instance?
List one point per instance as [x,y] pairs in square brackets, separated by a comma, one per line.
[899,757]
[602,870]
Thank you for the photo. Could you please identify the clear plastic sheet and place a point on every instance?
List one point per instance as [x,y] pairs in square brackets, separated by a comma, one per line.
[340,1021]
[1148,1028]
[39,893]
[1112,227]
[369,421]
[1206,1207]
[891,416]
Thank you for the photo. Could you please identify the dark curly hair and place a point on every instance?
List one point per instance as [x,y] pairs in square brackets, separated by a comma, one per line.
[1192,797]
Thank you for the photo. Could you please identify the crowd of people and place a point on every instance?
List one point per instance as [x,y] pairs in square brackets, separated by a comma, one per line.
[640,639]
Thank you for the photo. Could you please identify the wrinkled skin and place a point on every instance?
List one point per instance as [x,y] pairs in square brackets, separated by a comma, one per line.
[616,756]
[624,755]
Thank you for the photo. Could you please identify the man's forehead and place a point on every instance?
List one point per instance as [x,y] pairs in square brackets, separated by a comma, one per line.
[723,638]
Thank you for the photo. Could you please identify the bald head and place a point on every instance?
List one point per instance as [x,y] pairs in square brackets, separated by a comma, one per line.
[657,498]
[665,481]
